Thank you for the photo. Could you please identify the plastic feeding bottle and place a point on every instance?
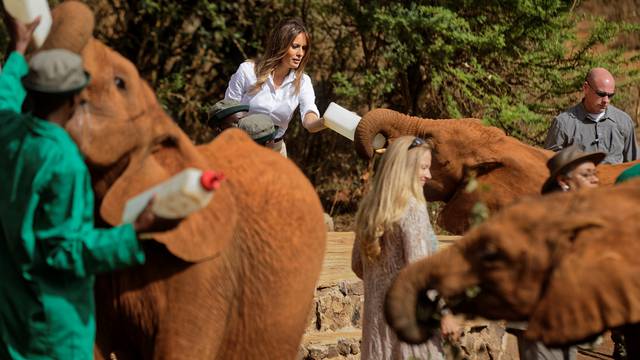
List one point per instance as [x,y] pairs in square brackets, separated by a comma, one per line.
[177,197]
[26,11]
[345,122]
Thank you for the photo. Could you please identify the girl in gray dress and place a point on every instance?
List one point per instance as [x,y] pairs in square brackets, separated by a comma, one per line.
[392,230]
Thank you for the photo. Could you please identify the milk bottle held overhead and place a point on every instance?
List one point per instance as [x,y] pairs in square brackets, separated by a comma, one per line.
[345,122]
[177,197]
[26,11]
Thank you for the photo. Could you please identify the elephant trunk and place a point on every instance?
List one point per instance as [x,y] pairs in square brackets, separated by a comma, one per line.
[389,123]
[410,307]
[416,298]
[72,27]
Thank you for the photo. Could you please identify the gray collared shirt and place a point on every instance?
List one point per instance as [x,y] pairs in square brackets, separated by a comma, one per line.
[614,134]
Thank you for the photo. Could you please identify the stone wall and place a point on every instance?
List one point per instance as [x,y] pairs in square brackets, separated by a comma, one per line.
[335,320]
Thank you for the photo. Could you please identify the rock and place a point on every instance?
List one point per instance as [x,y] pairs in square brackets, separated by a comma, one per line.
[355,348]
[332,352]
[344,348]
[339,306]
[315,352]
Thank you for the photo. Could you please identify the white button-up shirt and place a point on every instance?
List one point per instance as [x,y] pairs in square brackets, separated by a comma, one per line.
[277,103]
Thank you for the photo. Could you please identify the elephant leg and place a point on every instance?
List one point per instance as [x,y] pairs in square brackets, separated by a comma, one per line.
[194,319]
[110,344]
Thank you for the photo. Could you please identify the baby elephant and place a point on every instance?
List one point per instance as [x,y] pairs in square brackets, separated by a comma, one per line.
[568,263]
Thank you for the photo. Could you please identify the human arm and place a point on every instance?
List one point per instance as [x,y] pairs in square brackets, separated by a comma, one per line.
[12,92]
[630,152]
[418,238]
[419,241]
[65,232]
[313,123]
[239,82]
[556,138]
[309,112]
[20,33]
[449,326]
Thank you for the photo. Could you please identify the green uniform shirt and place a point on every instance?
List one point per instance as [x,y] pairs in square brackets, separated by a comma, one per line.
[49,248]
[629,174]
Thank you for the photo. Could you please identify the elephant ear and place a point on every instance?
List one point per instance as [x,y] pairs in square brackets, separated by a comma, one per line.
[203,234]
[594,287]
[72,27]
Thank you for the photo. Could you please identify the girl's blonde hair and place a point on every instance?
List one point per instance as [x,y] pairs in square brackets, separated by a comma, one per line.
[394,183]
[278,45]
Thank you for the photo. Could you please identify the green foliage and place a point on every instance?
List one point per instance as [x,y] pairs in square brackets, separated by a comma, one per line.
[513,63]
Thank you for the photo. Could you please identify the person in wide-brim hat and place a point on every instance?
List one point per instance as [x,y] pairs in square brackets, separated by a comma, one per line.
[572,169]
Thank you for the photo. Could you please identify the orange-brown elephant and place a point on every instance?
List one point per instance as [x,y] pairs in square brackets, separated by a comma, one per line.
[233,281]
[505,168]
[566,262]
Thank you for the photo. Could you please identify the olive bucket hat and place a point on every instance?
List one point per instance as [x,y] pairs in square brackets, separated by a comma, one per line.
[56,71]
[259,126]
[565,159]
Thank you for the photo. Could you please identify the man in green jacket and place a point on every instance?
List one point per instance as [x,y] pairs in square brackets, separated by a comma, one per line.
[50,250]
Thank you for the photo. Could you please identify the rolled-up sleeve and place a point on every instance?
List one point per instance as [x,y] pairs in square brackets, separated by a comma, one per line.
[65,230]
[12,92]
[556,138]
[239,82]
[307,98]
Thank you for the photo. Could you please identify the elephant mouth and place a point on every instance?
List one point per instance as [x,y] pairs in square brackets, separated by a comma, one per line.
[431,305]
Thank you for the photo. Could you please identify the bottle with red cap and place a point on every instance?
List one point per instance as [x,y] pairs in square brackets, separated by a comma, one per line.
[184,193]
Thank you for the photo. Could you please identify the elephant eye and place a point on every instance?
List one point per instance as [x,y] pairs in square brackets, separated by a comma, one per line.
[120,84]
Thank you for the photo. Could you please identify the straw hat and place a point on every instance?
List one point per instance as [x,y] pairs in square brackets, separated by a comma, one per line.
[567,158]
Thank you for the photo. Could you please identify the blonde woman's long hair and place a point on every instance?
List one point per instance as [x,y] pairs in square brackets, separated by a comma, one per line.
[394,183]
[278,45]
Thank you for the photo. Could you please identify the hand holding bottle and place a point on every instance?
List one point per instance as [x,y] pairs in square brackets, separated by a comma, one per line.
[148,222]
[20,32]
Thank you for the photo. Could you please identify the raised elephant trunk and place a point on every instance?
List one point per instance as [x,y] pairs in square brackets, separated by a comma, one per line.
[385,122]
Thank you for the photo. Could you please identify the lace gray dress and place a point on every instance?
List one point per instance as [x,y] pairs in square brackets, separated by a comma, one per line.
[411,240]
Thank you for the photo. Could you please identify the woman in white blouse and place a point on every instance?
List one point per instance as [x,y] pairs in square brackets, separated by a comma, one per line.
[275,84]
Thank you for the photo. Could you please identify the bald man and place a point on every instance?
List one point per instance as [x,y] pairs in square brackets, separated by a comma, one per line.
[594,124]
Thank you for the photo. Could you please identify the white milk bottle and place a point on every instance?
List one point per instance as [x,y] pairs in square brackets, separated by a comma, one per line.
[177,197]
[345,122]
[26,11]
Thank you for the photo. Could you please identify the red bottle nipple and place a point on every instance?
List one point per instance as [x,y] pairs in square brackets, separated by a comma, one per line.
[210,180]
